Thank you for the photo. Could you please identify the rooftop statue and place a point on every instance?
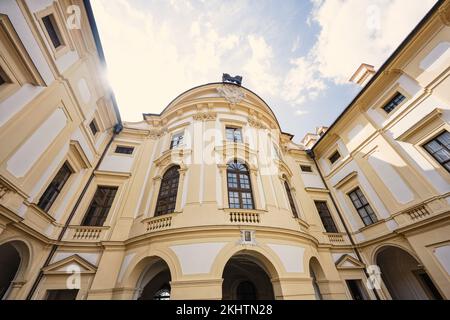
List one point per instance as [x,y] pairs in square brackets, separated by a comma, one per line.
[227,78]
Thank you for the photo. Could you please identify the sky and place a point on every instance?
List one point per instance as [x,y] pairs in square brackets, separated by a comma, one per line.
[298,55]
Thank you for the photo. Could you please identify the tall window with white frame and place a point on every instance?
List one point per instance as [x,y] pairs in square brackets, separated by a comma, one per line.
[54,188]
[325,216]
[234,134]
[291,199]
[363,207]
[177,140]
[239,186]
[100,205]
[439,149]
[167,197]
[52,30]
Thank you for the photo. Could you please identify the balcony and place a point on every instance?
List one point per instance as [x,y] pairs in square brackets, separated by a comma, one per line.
[240,216]
[86,233]
[337,238]
[158,223]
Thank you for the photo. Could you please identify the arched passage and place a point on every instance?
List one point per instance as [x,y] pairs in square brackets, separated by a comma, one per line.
[317,276]
[14,256]
[247,277]
[403,276]
[154,282]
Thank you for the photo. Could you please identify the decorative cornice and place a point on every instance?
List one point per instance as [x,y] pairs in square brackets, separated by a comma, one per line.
[205,116]
[156,133]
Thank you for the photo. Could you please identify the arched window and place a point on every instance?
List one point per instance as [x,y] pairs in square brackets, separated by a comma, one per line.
[239,186]
[291,199]
[167,197]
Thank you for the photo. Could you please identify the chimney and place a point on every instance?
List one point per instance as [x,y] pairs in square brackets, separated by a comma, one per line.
[363,74]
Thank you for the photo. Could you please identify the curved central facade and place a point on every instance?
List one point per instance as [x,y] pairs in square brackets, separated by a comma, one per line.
[214,186]
[211,199]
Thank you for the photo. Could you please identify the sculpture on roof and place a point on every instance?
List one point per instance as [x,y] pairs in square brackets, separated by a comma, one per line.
[227,78]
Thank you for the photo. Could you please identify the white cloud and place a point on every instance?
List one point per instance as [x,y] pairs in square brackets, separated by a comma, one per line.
[259,69]
[296,44]
[361,31]
[302,82]
[301,112]
[351,32]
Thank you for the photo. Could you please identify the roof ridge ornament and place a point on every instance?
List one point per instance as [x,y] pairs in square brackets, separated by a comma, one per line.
[236,79]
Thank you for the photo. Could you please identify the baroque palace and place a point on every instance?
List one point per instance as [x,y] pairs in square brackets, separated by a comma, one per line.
[210,199]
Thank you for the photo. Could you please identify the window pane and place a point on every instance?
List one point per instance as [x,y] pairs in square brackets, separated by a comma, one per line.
[100,206]
[55,187]
[53,33]
[439,149]
[239,187]
[168,191]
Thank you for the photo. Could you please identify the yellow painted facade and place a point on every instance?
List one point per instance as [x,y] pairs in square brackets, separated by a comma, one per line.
[56,110]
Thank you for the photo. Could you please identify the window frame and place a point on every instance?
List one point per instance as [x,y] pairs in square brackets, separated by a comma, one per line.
[239,189]
[105,208]
[432,155]
[180,142]
[336,152]
[172,192]
[122,147]
[291,199]
[372,216]
[60,28]
[391,100]
[327,217]
[97,130]
[235,129]
[56,190]
[309,170]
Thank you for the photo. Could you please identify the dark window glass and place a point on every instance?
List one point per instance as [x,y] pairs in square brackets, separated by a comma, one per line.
[93,127]
[162,294]
[356,289]
[306,168]
[291,199]
[363,207]
[335,157]
[325,216]
[177,140]
[52,30]
[246,291]
[239,186]
[234,134]
[124,150]
[167,197]
[63,294]
[394,102]
[99,207]
[51,193]
[439,148]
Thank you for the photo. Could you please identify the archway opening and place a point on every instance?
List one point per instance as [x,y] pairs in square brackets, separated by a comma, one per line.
[154,283]
[9,266]
[317,276]
[404,277]
[246,278]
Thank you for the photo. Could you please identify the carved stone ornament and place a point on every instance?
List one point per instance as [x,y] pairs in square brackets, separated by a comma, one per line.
[231,93]
[256,123]
[205,116]
[156,133]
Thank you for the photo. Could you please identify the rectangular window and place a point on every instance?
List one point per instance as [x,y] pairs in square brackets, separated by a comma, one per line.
[325,216]
[53,190]
[62,294]
[99,208]
[363,207]
[52,30]
[124,150]
[439,149]
[177,140]
[93,126]
[356,289]
[334,157]
[394,102]
[234,134]
[306,168]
